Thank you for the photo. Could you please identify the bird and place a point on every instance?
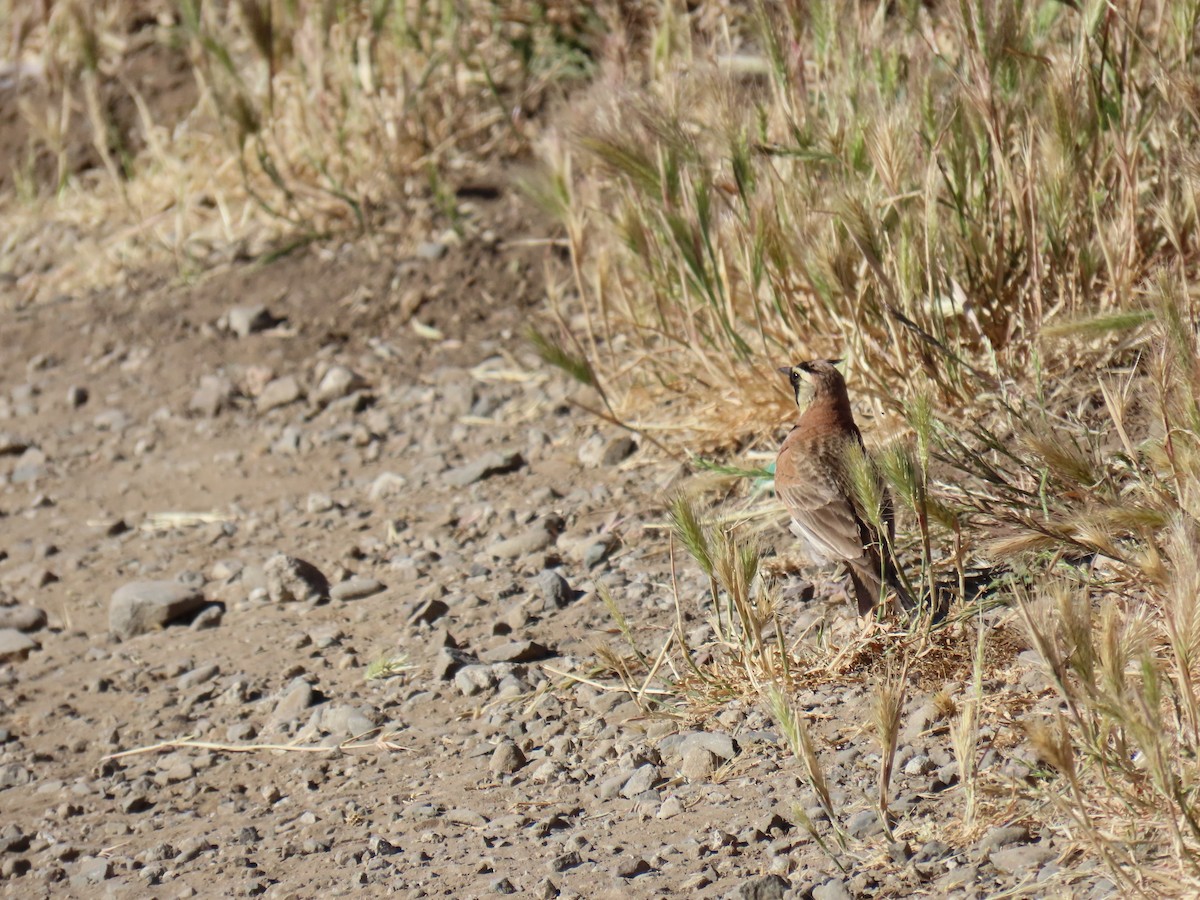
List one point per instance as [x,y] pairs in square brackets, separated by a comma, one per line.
[812,480]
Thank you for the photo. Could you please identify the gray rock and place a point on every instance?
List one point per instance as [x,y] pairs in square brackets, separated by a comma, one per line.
[1003,836]
[337,382]
[142,606]
[632,866]
[477,679]
[211,396]
[30,467]
[347,721]
[699,764]
[554,590]
[485,466]
[91,870]
[1018,859]
[388,484]
[356,588]
[600,550]
[22,618]
[565,861]
[431,250]
[198,676]
[289,578]
[77,396]
[449,661]
[517,652]
[864,824]
[279,392]
[247,320]
[11,445]
[507,758]
[537,537]
[295,699]
[644,778]
[769,887]
[618,450]
[833,889]
[15,645]
[716,742]
[209,617]
[111,420]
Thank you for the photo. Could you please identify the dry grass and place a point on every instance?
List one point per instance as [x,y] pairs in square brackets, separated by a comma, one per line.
[311,119]
[990,212]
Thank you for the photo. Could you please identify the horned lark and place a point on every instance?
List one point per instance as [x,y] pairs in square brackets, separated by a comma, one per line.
[812,480]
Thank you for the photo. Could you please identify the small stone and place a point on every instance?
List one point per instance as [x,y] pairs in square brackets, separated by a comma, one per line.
[449,661]
[210,397]
[566,861]
[11,445]
[209,617]
[388,484]
[428,611]
[247,320]
[1017,859]
[671,807]
[289,578]
[142,606]
[337,382]
[600,550]
[319,503]
[356,588]
[472,680]
[507,758]
[22,618]
[556,593]
[347,721]
[643,779]
[863,824]
[518,652]
[431,250]
[486,466]
[632,866]
[537,537]
[618,450]
[297,697]
[716,742]
[77,396]
[833,889]
[91,870]
[15,645]
[503,886]
[198,676]
[699,764]
[919,765]
[769,887]
[29,467]
[113,420]
[1003,836]
[279,392]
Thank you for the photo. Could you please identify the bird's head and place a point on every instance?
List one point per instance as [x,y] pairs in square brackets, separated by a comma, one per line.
[823,374]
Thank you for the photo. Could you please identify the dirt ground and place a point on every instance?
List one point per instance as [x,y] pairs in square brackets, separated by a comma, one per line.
[371,408]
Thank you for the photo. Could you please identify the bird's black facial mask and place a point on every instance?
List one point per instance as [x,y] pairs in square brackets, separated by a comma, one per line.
[794,379]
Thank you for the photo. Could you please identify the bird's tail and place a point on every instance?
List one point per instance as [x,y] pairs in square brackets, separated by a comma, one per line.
[868,585]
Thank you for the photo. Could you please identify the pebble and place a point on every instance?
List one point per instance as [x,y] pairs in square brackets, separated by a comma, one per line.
[486,466]
[356,588]
[279,392]
[210,397]
[833,889]
[1002,836]
[291,579]
[337,382]
[22,618]
[77,396]
[15,645]
[247,320]
[554,590]
[699,764]
[537,537]
[769,887]
[387,484]
[431,250]
[643,779]
[143,606]
[517,652]
[1016,859]
[507,758]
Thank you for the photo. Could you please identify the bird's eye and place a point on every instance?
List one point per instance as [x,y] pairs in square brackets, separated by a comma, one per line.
[794,378]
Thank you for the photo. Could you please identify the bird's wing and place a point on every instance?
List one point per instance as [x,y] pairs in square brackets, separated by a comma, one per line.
[824,516]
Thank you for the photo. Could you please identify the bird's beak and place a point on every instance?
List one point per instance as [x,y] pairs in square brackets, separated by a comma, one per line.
[785,370]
